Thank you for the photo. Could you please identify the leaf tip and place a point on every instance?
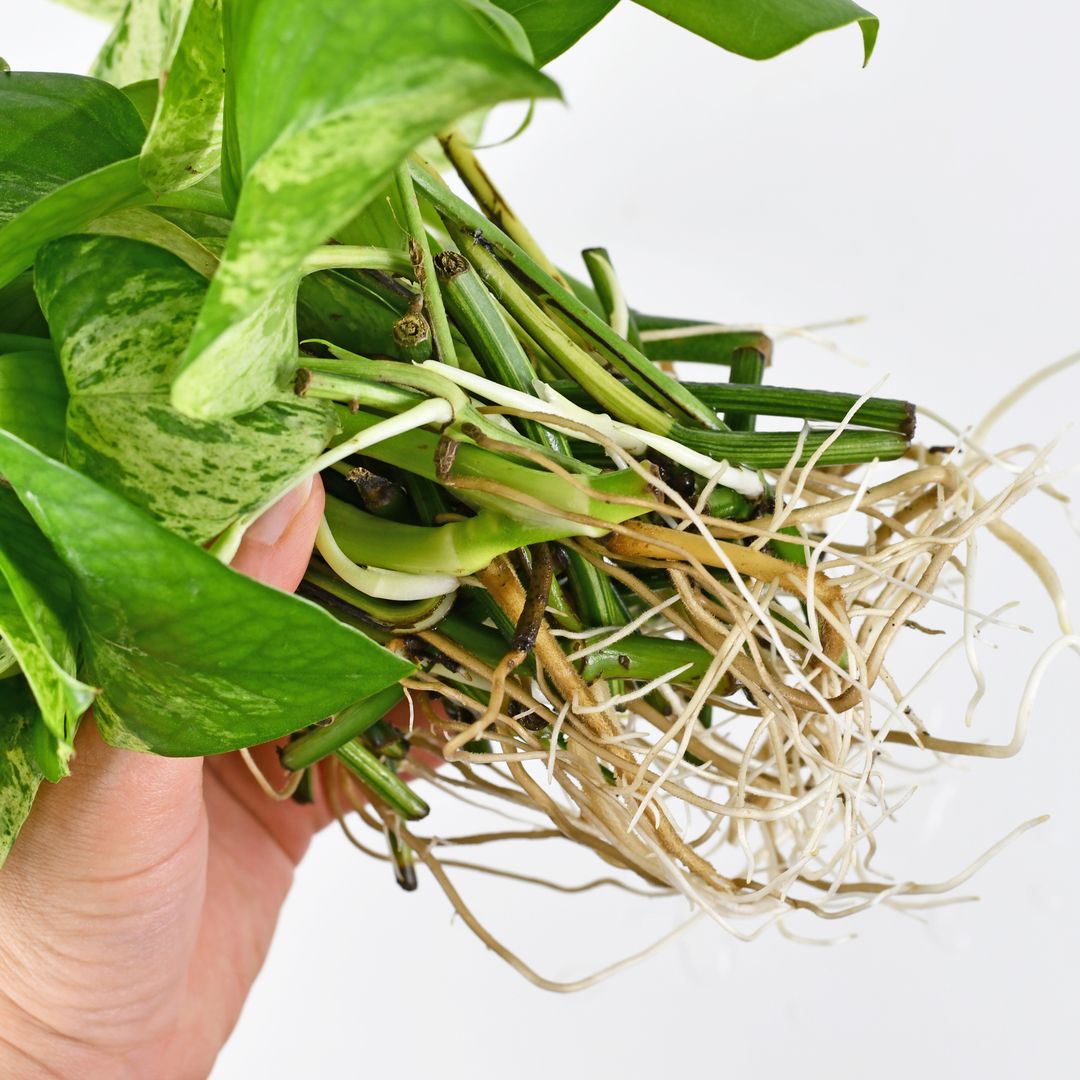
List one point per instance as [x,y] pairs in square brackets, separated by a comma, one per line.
[870,25]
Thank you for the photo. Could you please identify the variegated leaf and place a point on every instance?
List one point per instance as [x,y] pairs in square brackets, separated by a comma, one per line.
[192,657]
[184,141]
[20,777]
[120,312]
[309,138]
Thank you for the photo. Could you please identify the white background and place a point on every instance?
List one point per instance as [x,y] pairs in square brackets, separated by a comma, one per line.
[937,193]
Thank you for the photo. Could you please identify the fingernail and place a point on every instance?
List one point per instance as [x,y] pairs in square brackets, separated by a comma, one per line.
[273,522]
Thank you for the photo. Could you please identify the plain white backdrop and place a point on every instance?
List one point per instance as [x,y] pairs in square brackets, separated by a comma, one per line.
[936,193]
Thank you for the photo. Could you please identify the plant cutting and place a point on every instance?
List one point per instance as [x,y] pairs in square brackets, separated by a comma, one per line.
[655,615]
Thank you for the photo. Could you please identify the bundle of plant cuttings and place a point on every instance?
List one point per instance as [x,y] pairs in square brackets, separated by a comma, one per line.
[652,616]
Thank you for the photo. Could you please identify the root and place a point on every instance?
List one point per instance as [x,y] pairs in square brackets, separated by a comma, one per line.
[756,789]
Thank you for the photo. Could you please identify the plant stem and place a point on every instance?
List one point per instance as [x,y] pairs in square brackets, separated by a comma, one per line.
[773,449]
[566,416]
[459,548]
[352,257]
[644,658]
[889,414]
[382,781]
[331,385]
[331,591]
[327,380]
[700,342]
[610,295]
[614,396]
[490,199]
[321,742]
[381,581]
[480,320]
[429,411]
[420,251]
[621,354]
[748,368]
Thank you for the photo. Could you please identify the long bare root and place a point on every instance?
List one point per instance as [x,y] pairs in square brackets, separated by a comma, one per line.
[756,788]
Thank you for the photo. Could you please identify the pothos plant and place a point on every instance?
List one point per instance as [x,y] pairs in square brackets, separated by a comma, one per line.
[229,261]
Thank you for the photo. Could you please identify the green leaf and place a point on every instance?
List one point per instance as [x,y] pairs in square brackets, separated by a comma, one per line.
[554,25]
[12,343]
[68,154]
[192,657]
[68,209]
[37,620]
[9,664]
[150,227]
[33,398]
[144,96]
[19,311]
[760,29]
[138,45]
[20,776]
[48,681]
[32,402]
[120,312]
[184,142]
[309,139]
[508,29]
[56,128]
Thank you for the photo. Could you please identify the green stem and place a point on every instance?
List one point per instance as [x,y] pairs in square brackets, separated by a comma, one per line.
[700,342]
[621,354]
[321,742]
[481,323]
[480,319]
[610,295]
[425,271]
[353,257]
[489,198]
[748,368]
[488,645]
[888,414]
[375,383]
[773,449]
[643,658]
[458,548]
[559,607]
[332,385]
[612,395]
[401,615]
[382,782]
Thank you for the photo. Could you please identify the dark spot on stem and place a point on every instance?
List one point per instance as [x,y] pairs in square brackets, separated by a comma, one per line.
[445,455]
[411,330]
[536,599]
[449,264]
[907,428]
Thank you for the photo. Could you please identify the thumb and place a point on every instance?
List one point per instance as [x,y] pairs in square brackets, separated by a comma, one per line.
[276,549]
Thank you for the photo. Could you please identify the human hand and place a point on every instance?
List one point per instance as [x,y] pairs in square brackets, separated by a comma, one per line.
[139,902]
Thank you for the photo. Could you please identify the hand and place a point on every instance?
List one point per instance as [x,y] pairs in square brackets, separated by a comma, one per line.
[138,904]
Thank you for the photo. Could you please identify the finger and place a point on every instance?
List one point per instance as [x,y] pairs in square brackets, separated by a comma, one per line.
[111,854]
[276,549]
